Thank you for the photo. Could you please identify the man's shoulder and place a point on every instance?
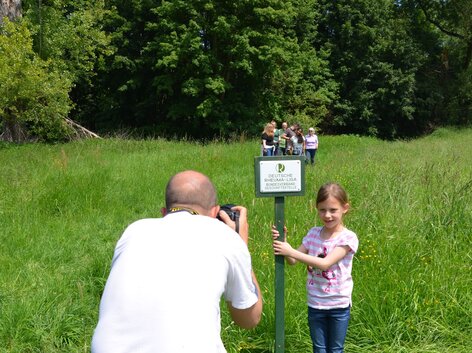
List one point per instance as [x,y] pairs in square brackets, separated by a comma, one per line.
[142,224]
[145,222]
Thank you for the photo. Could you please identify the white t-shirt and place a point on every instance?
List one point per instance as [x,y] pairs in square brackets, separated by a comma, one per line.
[165,285]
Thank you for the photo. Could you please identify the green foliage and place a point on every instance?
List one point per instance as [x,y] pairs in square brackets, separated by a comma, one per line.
[63,208]
[452,20]
[219,68]
[33,95]
[376,61]
[215,67]
[69,34]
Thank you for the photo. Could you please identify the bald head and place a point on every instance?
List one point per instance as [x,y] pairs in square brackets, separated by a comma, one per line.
[191,189]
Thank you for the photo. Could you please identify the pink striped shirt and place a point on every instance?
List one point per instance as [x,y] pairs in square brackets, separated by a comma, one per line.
[332,288]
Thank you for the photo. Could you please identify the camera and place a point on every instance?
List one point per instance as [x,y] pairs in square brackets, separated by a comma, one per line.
[233,215]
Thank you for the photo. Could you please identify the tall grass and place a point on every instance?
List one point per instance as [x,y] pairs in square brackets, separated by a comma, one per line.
[63,207]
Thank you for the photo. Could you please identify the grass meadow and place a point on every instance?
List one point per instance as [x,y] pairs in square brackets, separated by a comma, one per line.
[63,208]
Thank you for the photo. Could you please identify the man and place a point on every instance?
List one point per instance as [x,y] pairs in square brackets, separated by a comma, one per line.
[282,140]
[289,133]
[168,275]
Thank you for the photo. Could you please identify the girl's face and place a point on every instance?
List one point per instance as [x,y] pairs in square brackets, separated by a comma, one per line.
[331,213]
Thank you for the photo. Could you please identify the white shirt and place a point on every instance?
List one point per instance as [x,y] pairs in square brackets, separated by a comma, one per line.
[164,289]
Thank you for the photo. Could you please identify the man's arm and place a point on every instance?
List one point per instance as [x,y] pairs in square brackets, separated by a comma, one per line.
[250,317]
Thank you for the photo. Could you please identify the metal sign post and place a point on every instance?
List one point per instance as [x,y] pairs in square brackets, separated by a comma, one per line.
[279,280]
[278,177]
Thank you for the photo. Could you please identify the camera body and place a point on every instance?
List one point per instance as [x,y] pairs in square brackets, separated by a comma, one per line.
[233,215]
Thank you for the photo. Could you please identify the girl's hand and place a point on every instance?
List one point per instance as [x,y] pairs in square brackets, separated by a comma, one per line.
[282,248]
[276,234]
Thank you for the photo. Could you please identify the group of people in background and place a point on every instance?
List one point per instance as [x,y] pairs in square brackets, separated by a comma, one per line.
[289,141]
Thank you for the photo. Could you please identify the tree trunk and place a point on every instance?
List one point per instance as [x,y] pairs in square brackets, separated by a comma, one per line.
[10,9]
[468,55]
[12,131]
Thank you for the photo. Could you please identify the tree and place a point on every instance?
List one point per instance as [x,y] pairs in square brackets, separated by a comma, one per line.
[376,63]
[33,95]
[69,34]
[231,64]
[213,67]
[453,20]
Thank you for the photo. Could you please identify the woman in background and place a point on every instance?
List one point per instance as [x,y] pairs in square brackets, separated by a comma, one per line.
[268,140]
[311,146]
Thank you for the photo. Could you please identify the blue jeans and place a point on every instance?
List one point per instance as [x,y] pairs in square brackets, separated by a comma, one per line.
[269,151]
[310,154]
[328,329]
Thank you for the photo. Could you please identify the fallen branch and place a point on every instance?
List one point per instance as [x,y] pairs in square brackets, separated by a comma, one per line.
[79,130]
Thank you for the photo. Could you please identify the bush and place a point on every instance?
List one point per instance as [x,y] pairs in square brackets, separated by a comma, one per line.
[34,96]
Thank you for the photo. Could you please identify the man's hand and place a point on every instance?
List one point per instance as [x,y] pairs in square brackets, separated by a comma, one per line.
[243,225]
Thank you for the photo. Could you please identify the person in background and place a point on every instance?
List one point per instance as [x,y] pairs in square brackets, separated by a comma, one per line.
[298,142]
[289,133]
[276,138]
[282,140]
[311,143]
[168,276]
[268,140]
[328,252]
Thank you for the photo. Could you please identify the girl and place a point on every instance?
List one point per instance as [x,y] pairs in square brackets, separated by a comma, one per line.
[328,252]
[298,142]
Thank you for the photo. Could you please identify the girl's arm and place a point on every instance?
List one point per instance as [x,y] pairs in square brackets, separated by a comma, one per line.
[290,260]
[301,255]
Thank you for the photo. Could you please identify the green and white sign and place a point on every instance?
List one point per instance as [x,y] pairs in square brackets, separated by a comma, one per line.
[280,176]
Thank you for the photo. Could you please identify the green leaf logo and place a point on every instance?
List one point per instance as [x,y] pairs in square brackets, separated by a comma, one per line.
[280,167]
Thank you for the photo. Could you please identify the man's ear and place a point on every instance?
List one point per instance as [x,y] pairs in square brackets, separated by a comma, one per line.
[214,211]
[163,211]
